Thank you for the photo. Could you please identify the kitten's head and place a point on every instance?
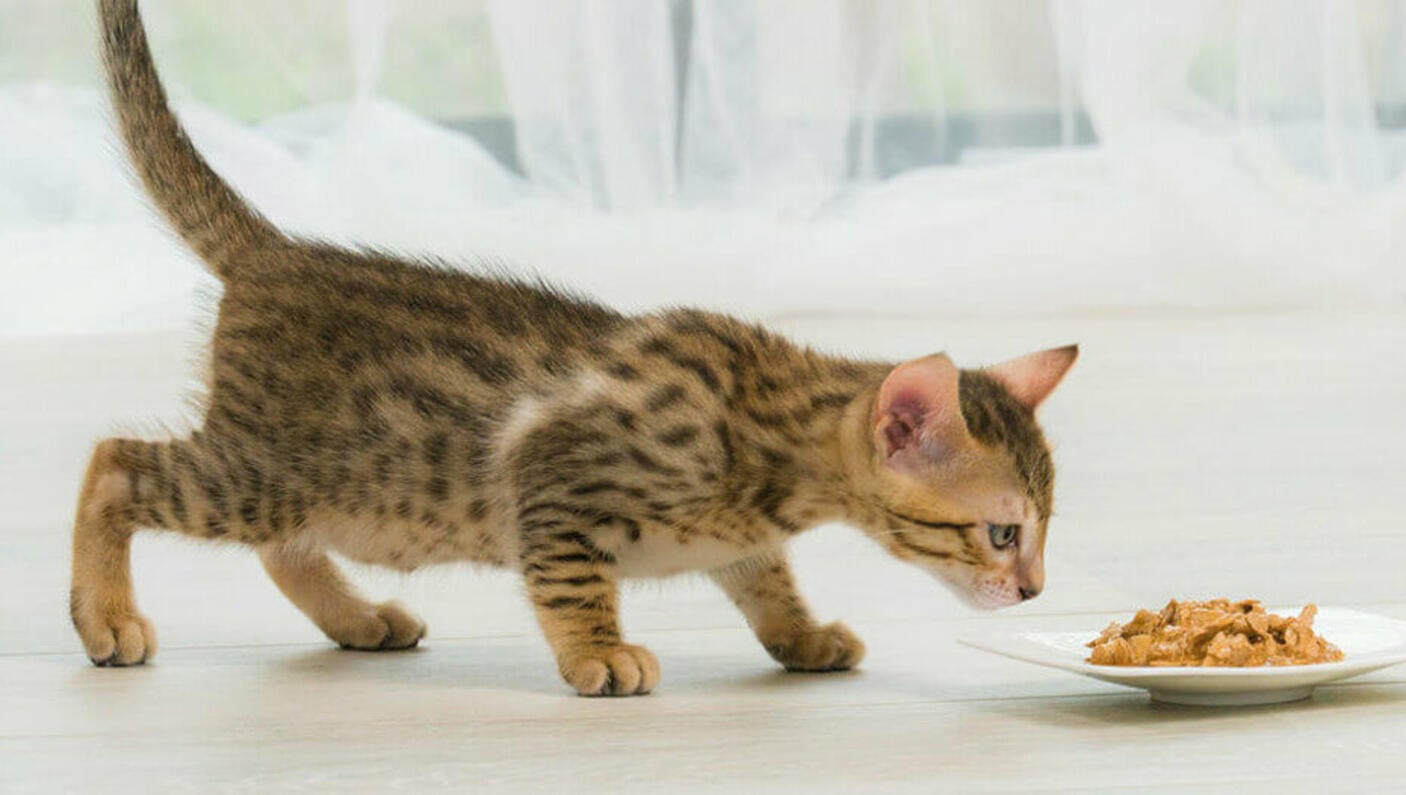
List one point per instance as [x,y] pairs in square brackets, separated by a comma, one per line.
[959,476]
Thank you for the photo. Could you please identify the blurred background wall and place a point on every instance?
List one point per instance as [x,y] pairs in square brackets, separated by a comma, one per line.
[768,157]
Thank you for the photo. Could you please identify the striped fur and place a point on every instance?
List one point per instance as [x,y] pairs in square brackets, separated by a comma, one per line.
[406,414]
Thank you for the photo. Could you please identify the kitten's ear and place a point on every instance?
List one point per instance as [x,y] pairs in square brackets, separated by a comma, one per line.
[1032,377]
[918,415]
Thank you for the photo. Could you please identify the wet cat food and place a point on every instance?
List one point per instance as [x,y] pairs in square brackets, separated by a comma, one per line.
[1215,633]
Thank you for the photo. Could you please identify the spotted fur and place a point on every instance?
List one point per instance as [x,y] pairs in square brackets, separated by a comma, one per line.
[404,413]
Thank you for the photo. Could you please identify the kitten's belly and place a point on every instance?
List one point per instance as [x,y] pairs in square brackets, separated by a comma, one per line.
[409,545]
[662,554]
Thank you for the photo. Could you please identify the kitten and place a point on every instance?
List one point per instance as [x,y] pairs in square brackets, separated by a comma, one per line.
[406,414]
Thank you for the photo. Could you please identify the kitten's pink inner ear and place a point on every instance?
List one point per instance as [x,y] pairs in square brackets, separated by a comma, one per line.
[1032,377]
[918,410]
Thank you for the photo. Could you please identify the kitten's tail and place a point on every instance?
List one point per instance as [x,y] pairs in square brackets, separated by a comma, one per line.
[213,220]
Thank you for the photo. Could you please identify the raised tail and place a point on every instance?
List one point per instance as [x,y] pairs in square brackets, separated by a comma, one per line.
[213,220]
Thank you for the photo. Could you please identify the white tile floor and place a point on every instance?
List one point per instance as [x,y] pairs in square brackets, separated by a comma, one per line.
[1256,455]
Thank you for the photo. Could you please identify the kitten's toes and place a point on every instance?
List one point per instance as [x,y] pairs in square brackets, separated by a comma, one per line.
[384,627]
[406,630]
[832,647]
[115,638]
[621,670]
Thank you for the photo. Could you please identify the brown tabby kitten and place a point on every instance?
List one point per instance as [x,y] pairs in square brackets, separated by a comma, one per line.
[404,414]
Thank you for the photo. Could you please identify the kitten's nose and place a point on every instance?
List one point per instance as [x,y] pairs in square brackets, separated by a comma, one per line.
[1027,594]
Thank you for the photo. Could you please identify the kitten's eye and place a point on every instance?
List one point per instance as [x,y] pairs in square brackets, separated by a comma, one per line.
[1003,535]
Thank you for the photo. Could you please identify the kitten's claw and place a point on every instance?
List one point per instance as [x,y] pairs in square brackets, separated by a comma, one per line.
[832,647]
[389,628]
[621,670]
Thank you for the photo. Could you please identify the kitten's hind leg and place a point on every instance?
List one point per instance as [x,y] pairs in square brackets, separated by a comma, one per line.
[313,583]
[200,487]
[101,602]
[764,590]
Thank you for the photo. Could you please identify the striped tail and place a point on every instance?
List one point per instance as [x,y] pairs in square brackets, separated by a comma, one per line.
[212,219]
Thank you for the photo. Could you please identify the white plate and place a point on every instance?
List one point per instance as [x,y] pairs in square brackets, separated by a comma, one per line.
[1369,643]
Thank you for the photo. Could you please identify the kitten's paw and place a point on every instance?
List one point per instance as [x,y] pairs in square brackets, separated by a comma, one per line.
[621,670]
[829,648]
[116,636]
[385,627]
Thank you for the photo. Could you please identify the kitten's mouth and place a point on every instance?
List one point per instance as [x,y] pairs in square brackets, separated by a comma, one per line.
[975,594]
[987,596]
[983,602]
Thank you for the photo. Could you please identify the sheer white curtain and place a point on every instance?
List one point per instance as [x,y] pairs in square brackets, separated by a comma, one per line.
[751,108]
[762,156]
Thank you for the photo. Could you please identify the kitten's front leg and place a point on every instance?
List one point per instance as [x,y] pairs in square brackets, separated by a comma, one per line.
[572,584]
[764,590]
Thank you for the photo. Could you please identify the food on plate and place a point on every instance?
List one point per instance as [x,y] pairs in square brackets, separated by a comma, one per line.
[1215,633]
